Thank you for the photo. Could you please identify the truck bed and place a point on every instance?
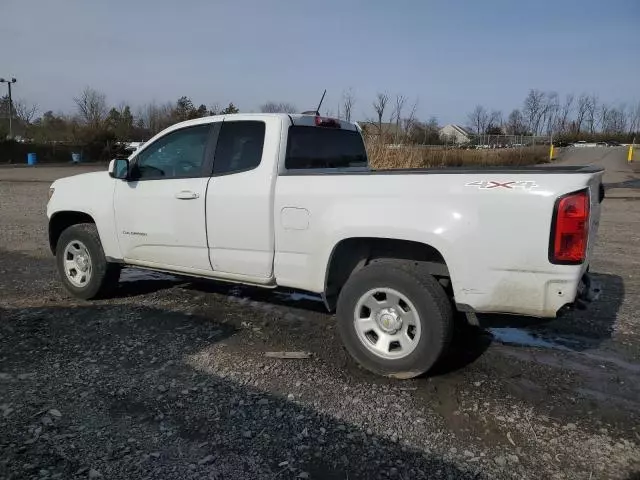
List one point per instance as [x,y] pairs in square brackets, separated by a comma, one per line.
[533,169]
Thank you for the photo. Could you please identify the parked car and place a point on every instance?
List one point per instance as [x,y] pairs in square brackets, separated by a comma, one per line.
[289,200]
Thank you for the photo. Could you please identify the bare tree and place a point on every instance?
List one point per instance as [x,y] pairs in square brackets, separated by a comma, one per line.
[410,122]
[431,131]
[397,114]
[379,105]
[215,109]
[550,112]
[516,123]
[592,107]
[634,119]
[533,109]
[613,119]
[348,100]
[24,111]
[155,117]
[565,113]
[495,120]
[278,107]
[479,119]
[581,112]
[620,119]
[603,117]
[92,107]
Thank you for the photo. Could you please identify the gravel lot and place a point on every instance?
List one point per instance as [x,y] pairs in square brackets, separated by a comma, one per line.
[169,379]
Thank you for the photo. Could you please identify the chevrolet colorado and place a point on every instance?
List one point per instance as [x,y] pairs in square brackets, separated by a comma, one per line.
[289,200]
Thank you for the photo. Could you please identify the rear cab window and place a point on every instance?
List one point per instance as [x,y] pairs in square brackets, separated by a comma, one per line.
[318,147]
[239,147]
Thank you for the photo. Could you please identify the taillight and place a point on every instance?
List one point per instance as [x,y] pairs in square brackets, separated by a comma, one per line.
[570,229]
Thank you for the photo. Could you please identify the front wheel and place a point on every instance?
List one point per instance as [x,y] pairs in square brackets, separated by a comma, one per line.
[394,318]
[82,265]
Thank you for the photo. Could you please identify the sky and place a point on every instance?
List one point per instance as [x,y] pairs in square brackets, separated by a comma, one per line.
[447,56]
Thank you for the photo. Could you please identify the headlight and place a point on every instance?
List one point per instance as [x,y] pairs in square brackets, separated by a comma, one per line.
[51,190]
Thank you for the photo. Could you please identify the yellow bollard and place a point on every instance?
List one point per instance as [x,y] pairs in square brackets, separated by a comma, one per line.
[630,154]
[551,157]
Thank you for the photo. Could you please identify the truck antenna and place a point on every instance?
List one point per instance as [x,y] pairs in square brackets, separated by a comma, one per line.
[316,112]
[320,104]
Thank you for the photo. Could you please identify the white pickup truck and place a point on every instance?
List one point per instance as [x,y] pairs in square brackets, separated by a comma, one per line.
[289,200]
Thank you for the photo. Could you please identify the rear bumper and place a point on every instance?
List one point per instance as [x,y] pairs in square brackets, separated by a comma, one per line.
[588,291]
[526,293]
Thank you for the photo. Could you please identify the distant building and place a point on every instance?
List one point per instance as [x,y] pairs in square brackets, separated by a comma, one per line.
[455,134]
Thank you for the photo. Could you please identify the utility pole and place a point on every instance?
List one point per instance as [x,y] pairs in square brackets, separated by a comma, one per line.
[9,82]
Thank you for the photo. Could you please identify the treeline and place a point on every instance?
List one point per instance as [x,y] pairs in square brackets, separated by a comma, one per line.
[93,119]
[95,128]
[581,117]
[98,127]
[572,118]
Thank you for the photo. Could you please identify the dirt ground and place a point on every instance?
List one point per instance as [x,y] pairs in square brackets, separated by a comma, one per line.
[169,379]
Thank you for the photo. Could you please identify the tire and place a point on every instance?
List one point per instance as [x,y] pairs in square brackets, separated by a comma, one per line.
[423,305]
[79,248]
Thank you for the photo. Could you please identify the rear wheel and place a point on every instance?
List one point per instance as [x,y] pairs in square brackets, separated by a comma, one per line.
[394,318]
[82,265]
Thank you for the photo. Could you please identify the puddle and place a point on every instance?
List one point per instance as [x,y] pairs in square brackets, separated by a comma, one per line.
[518,336]
[298,296]
[581,346]
[137,275]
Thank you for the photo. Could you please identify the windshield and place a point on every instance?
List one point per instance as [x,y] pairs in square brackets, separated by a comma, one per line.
[317,147]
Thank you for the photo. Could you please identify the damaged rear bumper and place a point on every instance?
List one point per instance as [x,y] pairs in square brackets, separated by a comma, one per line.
[589,290]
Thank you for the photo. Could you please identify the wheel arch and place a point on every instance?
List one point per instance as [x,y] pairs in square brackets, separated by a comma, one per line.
[62,220]
[351,254]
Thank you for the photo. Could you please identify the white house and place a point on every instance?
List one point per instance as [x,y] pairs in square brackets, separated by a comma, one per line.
[455,133]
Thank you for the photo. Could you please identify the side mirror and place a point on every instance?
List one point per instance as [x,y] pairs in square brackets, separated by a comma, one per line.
[119,168]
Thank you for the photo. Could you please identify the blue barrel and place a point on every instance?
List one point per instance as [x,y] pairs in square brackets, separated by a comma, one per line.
[75,157]
[31,159]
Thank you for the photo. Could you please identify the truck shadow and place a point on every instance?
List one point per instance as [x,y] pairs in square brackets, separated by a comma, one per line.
[577,330]
[167,381]
[467,346]
[135,282]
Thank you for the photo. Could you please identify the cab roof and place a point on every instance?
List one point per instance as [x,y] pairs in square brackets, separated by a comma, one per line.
[298,119]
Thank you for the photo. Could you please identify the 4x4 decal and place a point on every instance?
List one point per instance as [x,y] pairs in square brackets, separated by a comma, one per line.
[490,184]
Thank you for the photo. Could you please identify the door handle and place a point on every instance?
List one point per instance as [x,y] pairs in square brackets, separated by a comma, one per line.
[186,195]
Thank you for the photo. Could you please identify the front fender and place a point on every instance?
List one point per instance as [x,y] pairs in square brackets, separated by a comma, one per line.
[88,194]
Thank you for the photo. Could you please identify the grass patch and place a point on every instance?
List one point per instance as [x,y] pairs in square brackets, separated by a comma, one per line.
[381,157]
